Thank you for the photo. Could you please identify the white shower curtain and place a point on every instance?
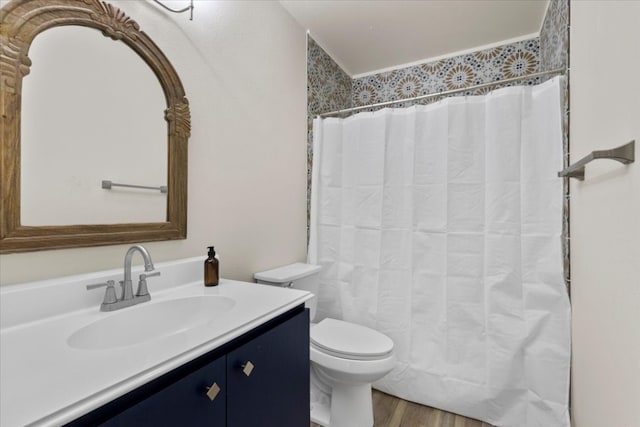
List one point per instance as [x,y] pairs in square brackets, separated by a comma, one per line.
[441,226]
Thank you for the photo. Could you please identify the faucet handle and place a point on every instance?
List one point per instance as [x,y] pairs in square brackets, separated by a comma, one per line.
[110,293]
[142,283]
[145,275]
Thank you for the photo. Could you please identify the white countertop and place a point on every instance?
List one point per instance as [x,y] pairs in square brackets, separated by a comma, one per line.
[45,382]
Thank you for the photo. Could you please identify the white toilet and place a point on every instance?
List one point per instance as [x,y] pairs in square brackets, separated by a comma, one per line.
[345,358]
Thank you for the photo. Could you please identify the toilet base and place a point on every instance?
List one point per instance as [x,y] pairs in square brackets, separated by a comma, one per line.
[320,406]
[351,406]
[347,406]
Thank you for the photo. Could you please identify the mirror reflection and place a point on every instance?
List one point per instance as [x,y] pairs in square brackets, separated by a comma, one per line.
[91,111]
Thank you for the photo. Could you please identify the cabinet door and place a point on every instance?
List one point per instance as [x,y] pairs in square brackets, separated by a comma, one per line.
[276,392]
[184,403]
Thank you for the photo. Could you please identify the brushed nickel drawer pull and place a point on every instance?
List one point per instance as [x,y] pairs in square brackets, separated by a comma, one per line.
[247,368]
[212,392]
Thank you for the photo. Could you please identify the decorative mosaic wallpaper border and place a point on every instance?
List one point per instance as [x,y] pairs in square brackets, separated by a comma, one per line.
[484,66]
[330,88]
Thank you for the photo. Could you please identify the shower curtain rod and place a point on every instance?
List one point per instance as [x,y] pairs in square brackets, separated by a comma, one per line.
[445,93]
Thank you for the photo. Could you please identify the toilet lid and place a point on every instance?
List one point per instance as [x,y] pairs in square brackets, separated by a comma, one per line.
[350,340]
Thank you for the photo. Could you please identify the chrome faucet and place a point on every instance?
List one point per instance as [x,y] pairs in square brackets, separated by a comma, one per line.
[127,289]
[111,302]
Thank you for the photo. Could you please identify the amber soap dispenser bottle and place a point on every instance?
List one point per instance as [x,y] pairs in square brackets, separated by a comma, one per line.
[211,269]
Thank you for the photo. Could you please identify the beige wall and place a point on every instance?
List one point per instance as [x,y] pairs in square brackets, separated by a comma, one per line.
[605,215]
[243,65]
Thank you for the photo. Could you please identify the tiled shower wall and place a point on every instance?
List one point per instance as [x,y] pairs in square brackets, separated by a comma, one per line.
[554,36]
[330,88]
[554,54]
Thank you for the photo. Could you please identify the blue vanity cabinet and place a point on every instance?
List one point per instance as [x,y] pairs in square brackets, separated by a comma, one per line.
[274,393]
[183,403]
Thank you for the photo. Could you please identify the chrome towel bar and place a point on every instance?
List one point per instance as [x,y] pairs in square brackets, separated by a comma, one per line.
[108,184]
[624,154]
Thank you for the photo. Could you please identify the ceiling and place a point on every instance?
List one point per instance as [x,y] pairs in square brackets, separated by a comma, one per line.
[365,36]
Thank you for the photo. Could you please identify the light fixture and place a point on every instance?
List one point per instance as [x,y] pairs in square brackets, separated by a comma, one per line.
[189,8]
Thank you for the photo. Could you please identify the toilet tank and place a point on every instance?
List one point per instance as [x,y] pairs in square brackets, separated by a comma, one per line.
[298,276]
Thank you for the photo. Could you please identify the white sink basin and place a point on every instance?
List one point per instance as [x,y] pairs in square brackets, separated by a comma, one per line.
[147,321]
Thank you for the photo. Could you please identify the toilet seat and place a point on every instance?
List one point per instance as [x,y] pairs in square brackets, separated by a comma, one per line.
[350,341]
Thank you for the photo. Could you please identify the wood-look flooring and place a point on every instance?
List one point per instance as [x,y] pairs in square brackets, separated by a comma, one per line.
[390,411]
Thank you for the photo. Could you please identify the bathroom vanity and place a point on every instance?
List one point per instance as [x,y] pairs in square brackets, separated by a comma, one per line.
[233,355]
[260,378]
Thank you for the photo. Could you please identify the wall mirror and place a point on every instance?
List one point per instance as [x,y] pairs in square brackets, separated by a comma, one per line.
[71,126]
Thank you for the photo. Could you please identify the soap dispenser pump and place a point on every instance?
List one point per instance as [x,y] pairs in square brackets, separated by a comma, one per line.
[211,268]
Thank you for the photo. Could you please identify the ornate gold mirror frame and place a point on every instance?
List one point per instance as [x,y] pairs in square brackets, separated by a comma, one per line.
[20,22]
